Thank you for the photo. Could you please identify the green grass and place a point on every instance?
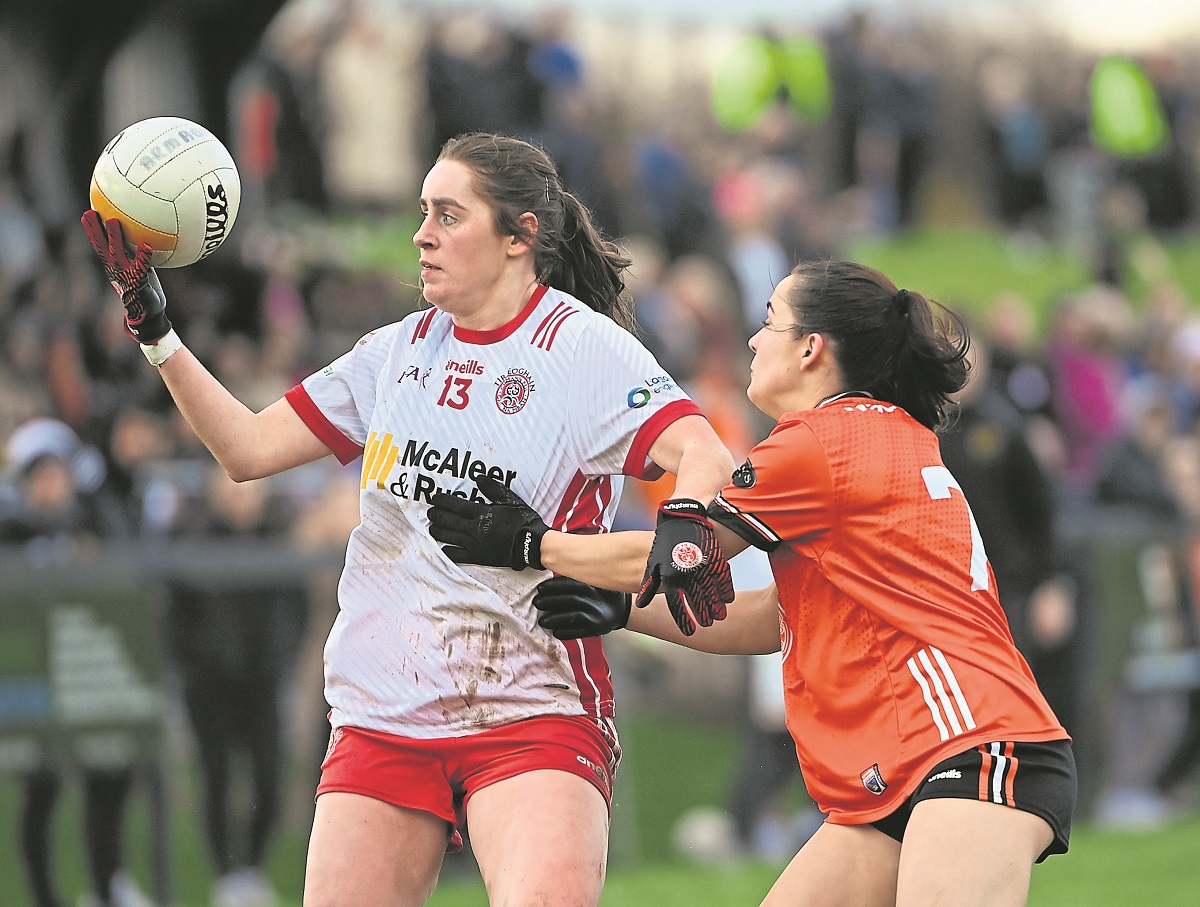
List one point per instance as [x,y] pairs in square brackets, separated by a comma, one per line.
[1103,869]
[962,268]
[967,269]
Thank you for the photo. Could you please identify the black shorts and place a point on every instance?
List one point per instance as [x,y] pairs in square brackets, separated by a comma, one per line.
[1036,778]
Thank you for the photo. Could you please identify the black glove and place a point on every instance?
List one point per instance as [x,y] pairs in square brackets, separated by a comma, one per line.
[141,293]
[571,610]
[505,533]
[687,561]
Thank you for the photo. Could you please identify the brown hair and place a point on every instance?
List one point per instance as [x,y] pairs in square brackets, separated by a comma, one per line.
[569,253]
[888,342]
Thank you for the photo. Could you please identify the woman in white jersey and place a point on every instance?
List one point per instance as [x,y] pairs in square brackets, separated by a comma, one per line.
[450,705]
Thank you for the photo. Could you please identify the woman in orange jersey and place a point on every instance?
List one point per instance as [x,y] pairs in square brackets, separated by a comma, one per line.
[921,732]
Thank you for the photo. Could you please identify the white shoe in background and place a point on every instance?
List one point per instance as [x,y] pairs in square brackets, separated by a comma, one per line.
[123,891]
[244,888]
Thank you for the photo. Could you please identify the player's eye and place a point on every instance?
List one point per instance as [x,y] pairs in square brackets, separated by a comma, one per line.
[447,219]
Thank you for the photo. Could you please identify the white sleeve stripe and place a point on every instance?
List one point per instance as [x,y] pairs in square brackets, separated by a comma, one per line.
[749,519]
[930,678]
[951,715]
[929,701]
[968,718]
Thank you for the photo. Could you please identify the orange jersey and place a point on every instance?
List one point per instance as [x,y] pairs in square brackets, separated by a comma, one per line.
[897,654]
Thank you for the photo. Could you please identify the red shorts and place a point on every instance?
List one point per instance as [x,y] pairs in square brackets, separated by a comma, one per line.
[439,775]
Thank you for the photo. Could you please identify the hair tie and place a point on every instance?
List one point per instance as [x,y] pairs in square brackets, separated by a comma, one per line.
[903,302]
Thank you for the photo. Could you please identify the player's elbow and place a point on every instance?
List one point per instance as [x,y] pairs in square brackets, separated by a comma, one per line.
[241,469]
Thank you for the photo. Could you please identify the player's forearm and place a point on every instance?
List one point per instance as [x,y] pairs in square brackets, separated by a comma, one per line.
[751,627]
[615,560]
[248,445]
[691,450]
[704,469]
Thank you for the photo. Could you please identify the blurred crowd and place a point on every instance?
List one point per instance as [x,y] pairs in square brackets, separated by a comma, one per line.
[340,113]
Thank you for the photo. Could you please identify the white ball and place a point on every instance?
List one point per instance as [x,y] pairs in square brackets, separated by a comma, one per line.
[172,184]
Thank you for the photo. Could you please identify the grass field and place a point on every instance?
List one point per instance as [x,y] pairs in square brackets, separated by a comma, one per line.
[1103,869]
[962,268]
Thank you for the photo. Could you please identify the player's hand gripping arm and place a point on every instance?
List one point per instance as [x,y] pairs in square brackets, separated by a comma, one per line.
[572,610]
[686,560]
[751,628]
[248,445]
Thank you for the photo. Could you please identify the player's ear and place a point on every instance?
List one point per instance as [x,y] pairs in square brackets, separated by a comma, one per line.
[522,241]
[814,346]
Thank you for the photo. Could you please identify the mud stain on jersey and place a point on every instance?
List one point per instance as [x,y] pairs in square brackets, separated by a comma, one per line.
[493,650]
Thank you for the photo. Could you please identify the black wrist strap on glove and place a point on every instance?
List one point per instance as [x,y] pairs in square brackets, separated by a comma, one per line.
[134,280]
[686,561]
[504,533]
[570,609]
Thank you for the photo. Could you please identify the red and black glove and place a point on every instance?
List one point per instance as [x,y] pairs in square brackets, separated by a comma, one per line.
[687,562]
[141,293]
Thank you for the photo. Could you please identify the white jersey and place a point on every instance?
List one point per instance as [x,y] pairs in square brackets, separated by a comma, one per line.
[558,404]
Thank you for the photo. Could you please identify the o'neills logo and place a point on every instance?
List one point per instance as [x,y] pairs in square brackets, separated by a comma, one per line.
[216,217]
[470,367]
[513,390]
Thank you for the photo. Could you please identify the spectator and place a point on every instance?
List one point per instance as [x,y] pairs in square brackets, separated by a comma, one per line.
[1015,505]
[57,499]
[1016,143]
[233,643]
[1087,377]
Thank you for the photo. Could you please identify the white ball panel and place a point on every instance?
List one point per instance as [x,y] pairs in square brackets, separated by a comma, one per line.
[156,213]
[207,209]
[137,142]
[171,176]
[190,241]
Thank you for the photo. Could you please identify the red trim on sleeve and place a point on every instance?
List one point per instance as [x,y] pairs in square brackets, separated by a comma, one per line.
[423,323]
[548,329]
[331,436]
[639,451]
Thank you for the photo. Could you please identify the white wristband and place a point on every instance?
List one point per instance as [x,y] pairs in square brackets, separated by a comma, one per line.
[163,349]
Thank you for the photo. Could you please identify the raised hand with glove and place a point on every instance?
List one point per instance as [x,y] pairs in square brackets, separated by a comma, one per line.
[505,533]
[138,286]
[686,562]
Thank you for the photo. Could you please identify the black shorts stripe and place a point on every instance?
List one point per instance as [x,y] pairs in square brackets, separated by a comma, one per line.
[998,772]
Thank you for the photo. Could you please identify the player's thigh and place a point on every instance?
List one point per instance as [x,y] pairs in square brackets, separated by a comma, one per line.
[540,837]
[969,852]
[840,866]
[366,853]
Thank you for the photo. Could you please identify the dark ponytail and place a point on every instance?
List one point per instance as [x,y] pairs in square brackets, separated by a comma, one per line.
[569,253]
[892,343]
